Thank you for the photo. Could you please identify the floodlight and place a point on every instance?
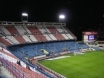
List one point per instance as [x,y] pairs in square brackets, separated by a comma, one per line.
[62,16]
[24,14]
[24,17]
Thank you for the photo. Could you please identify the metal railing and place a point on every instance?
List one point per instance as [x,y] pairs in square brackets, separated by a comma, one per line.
[32,23]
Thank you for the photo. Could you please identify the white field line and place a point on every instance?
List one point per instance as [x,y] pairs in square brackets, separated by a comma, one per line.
[58,57]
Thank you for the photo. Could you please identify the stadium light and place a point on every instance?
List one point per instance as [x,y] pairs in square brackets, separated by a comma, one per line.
[24,14]
[24,17]
[61,18]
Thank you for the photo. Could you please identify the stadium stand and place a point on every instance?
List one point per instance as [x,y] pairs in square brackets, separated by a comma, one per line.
[30,42]
[44,48]
[9,62]
[95,45]
[96,48]
[84,46]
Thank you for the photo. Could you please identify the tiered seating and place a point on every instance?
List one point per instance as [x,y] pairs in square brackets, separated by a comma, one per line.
[5,41]
[19,71]
[27,51]
[52,49]
[19,52]
[50,34]
[16,34]
[54,32]
[21,34]
[33,50]
[32,33]
[59,46]
[38,49]
[60,30]
[1,44]
[84,46]
[12,39]
[72,46]
[24,52]
[96,48]
[42,30]
[11,58]
[68,33]
[37,34]
[6,36]
[22,31]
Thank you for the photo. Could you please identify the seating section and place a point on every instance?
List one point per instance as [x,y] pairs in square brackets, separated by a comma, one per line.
[11,58]
[12,35]
[96,48]
[11,63]
[38,49]
[72,46]
[61,30]
[27,41]
[68,33]
[4,41]
[55,33]
[26,51]
[18,71]
[84,46]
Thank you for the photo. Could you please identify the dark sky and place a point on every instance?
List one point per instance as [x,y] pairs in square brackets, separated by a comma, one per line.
[79,13]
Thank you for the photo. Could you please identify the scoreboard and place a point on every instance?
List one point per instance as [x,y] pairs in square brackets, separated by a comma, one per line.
[89,36]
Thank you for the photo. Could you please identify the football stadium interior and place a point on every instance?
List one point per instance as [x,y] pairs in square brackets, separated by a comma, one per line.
[28,48]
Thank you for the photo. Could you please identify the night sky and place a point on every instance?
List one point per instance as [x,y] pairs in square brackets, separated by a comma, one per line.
[81,15]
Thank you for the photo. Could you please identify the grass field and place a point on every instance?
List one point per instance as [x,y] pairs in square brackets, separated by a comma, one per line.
[88,65]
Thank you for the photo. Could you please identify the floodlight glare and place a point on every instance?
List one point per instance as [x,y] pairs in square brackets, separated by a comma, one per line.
[62,16]
[24,17]
[24,14]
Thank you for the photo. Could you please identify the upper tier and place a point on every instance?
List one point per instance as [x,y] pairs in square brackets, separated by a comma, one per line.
[13,33]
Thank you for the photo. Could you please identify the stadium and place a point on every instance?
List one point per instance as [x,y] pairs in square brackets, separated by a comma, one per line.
[49,50]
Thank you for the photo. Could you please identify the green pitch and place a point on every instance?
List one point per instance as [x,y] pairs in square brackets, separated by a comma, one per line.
[88,65]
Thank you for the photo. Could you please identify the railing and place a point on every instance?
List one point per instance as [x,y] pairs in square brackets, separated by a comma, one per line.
[32,23]
[17,71]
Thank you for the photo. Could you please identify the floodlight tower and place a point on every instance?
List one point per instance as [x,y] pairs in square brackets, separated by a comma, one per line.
[24,17]
[61,18]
